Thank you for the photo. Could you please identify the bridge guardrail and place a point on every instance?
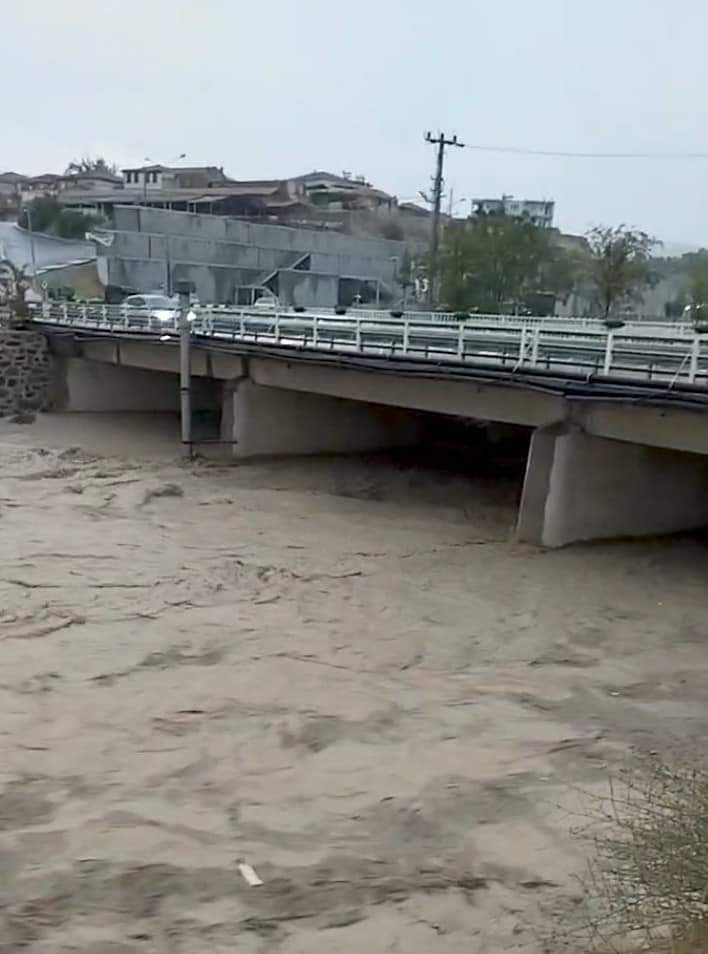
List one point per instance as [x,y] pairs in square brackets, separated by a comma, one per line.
[644,351]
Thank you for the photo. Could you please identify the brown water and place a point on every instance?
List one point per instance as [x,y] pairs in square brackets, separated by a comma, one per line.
[340,671]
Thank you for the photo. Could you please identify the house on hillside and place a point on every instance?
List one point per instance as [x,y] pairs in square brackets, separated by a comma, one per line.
[91,181]
[157,178]
[338,193]
[538,212]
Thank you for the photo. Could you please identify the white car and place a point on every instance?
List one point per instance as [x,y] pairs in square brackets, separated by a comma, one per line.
[158,307]
[266,303]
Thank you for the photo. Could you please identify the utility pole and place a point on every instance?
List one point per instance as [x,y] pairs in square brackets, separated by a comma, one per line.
[441,142]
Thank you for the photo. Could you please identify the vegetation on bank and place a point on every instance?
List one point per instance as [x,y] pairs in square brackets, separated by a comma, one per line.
[647,884]
[496,263]
[45,214]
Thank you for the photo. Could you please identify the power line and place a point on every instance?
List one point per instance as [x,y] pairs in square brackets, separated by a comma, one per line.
[521,151]
[441,142]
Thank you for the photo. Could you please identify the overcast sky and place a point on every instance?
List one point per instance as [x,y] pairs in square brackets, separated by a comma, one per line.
[280,87]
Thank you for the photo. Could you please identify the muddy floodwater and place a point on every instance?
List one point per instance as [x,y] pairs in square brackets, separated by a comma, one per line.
[340,672]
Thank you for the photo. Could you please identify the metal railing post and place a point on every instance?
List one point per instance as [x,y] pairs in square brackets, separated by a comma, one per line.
[695,353]
[406,335]
[534,346]
[609,347]
[522,347]
[358,334]
[277,327]
[315,329]
[460,339]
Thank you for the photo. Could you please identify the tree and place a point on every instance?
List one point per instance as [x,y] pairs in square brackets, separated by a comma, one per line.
[405,273]
[43,213]
[492,262]
[71,224]
[13,285]
[47,215]
[619,264]
[698,287]
[86,164]
[393,230]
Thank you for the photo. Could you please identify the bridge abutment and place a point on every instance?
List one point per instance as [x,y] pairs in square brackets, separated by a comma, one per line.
[264,421]
[579,487]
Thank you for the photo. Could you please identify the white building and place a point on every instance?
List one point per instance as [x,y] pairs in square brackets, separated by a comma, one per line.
[538,212]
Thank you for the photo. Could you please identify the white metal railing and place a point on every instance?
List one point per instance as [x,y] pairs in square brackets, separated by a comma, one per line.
[663,353]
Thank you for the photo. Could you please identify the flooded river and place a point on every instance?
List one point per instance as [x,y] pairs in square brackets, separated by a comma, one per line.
[341,672]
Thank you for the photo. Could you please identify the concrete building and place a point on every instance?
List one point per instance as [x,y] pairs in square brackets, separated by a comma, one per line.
[231,261]
[536,212]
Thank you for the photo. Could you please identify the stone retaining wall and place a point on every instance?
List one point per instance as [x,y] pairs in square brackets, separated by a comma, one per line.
[24,372]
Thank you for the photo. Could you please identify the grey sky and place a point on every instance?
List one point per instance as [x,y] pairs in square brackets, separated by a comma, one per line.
[281,87]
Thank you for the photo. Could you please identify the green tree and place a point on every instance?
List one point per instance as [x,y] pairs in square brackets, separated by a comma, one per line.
[14,282]
[698,287]
[43,213]
[46,214]
[73,225]
[492,262]
[619,264]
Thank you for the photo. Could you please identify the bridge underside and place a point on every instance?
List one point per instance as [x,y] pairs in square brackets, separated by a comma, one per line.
[595,470]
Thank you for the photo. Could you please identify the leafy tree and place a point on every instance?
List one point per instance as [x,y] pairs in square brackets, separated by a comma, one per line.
[47,215]
[405,272]
[393,230]
[619,264]
[87,164]
[698,287]
[13,285]
[492,262]
[43,213]
[73,225]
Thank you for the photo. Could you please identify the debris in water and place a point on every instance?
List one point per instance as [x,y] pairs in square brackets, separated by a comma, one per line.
[249,875]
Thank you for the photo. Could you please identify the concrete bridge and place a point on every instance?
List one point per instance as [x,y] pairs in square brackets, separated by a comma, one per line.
[619,418]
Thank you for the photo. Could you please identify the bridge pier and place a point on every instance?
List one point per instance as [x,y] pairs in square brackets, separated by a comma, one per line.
[579,487]
[264,421]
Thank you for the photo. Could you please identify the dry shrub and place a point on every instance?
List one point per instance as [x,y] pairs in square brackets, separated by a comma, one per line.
[647,886]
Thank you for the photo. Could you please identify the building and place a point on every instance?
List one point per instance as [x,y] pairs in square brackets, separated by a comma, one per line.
[11,184]
[536,212]
[232,261]
[315,198]
[91,182]
[337,193]
[157,178]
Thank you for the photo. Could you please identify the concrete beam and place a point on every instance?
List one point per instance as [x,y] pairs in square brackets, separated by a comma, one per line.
[674,428]
[580,487]
[162,356]
[265,421]
[81,385]
[460,398]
